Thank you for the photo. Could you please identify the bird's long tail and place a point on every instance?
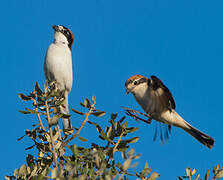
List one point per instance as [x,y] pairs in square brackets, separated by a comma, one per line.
[200,136]
[64,109]
[197,134]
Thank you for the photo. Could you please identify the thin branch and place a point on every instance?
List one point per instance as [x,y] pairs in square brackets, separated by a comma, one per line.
[58,129]
[38,115]
[98,173]
[51,133]
[82,125]
[119,140]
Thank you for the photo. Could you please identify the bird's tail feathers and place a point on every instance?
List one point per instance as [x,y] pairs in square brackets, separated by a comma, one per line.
[64,109]
[200,136]
[197,134]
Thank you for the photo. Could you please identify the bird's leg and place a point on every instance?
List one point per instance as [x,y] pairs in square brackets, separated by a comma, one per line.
[134,114]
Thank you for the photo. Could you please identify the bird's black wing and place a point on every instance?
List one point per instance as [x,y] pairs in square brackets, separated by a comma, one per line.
[163,94]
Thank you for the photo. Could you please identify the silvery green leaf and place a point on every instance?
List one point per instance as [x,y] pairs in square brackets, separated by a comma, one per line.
[24,97]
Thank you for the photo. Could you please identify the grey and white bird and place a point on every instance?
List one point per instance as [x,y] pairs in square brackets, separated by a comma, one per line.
[157,101]
[58,66]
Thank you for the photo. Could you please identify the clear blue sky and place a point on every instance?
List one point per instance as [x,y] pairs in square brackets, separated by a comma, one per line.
[181,42]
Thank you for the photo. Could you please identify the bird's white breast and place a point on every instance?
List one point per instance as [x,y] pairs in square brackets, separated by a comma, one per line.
[58,65]
[142,95]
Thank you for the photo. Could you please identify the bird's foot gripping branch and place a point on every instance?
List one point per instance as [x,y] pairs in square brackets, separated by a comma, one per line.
[136,115]
[58,155]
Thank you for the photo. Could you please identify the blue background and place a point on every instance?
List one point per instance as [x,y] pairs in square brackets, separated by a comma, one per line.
[178,41]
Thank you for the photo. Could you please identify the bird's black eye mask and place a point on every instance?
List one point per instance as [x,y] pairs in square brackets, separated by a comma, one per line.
[66,32]
[136,82]
[139,81]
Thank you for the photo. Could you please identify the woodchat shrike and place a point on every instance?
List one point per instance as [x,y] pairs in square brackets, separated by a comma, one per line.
[58,66]
[157,101]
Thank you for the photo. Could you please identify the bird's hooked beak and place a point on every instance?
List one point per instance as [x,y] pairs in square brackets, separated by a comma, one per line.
[128,90]
[56,28]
